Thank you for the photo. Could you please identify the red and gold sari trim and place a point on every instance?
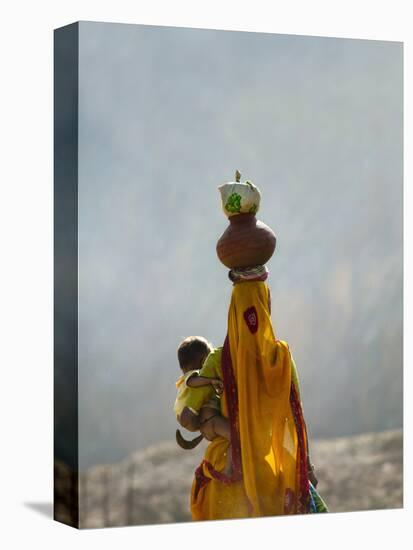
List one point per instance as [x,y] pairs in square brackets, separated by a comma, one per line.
[303,484]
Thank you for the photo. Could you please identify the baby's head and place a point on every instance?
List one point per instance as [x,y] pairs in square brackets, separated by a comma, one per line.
[192,352]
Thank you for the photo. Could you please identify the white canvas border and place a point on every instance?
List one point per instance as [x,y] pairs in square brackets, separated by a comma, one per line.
[26,276]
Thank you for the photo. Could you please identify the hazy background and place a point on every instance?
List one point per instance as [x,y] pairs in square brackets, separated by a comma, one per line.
[168,114]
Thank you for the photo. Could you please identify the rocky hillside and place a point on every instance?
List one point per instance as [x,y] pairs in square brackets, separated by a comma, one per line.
[363,472]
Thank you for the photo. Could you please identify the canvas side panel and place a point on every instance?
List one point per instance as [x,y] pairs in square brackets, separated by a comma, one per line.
[66,468]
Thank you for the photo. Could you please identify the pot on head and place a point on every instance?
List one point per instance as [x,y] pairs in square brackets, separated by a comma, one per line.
[246,242]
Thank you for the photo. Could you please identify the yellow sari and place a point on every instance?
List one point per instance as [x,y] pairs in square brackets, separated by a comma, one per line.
[268,437]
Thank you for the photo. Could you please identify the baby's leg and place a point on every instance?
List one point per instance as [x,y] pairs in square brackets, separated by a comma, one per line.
[207,416]
[212,425]
[221,426]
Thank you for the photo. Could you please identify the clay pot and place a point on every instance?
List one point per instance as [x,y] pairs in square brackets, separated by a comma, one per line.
[246,242]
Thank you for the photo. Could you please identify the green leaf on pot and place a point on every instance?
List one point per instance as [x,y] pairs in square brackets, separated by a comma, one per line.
[233,203]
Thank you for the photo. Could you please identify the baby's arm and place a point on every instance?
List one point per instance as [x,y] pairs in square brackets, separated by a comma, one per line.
[196,381]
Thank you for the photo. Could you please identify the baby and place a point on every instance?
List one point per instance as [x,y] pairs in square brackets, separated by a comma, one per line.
[192,353]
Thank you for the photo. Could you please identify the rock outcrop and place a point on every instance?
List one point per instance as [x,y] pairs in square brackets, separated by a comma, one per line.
[362,472]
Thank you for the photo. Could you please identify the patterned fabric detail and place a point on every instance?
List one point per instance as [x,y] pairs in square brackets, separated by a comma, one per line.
[219,476]
[303,497]
[251,318]
[310,500]
[231,395]
[200,479]
[317,504]
[289,501]
[254,273]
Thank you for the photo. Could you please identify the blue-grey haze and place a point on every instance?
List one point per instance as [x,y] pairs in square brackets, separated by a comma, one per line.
[168,114]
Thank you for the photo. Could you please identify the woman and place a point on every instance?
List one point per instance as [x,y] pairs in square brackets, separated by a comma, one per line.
[270,466]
